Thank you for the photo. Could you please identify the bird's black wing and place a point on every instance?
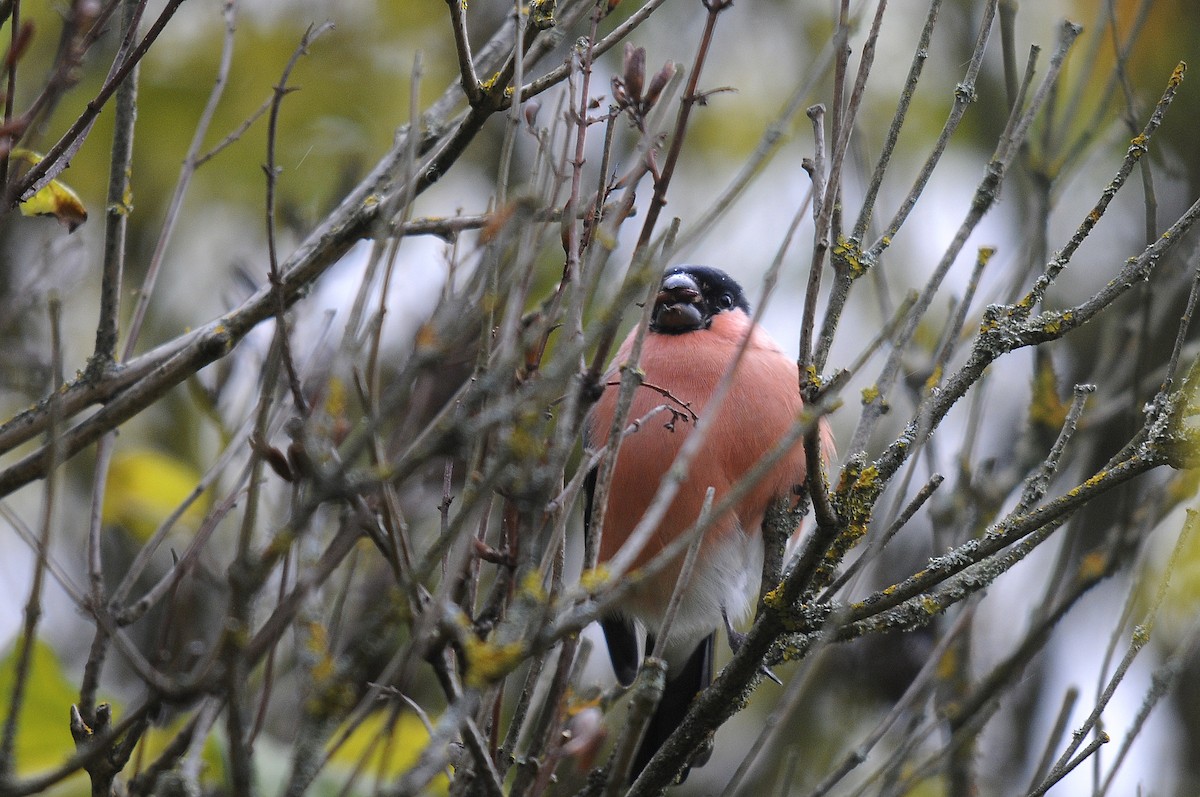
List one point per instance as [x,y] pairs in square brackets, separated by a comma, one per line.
[619,632]
[681,688]
[621,635]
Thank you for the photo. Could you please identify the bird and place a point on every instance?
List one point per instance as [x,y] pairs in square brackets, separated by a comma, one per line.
[698,323]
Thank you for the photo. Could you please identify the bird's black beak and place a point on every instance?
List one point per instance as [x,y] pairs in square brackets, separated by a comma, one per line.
[679,306]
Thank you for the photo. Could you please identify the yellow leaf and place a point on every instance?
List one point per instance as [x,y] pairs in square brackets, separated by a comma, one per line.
[929,787]
[1047,409]
[385,746]
[157,738]
[55,198]
[144,487]
[1182,602]
[43,731]
[335,400]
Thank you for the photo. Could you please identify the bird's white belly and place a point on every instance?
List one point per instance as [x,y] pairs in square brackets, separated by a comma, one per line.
[726,576]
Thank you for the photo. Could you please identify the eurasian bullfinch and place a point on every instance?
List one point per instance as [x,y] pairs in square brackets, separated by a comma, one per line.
[699,321]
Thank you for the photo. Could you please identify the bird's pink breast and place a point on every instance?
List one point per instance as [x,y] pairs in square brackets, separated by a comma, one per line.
[761,408]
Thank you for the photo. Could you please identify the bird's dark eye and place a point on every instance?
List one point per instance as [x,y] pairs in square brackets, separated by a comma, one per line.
[725,301]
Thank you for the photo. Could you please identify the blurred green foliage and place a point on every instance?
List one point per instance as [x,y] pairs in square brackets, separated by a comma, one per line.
[351,92]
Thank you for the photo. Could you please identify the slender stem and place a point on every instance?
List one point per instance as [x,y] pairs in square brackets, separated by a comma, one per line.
[272,172]
[817,173]
[850,261]
[986,195]
[690,97]
[60,154]
[579,124]
[119,203]
[15,31]
[468,79]
[892,137]
[191,162]
[26,645]
[599,47]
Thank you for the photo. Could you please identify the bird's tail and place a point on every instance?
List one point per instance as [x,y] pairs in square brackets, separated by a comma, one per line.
[681,688]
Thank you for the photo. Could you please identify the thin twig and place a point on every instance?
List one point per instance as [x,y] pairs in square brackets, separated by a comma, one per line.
[878,545]
[60,154]
[689,99]
[1141,635]
[26,645]
[191,162]
[1070,697]
[272,172]
[119,202]
[1038,481]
